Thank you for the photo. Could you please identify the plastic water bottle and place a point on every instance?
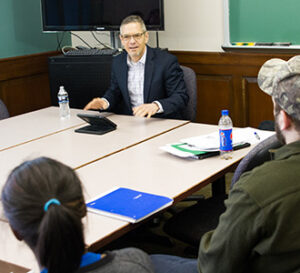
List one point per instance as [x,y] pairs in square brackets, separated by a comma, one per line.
[63,102]
[225,132]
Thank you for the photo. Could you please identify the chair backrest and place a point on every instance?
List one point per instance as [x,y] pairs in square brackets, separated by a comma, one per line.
[190,111]
[268,125]
[257,156]
[3,110]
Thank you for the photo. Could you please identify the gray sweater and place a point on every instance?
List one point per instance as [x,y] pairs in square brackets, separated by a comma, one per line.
[127,260]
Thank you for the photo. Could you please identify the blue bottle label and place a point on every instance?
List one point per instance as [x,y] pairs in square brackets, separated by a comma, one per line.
[225,140]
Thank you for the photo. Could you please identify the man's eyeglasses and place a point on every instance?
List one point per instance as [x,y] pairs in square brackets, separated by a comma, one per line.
[136,36]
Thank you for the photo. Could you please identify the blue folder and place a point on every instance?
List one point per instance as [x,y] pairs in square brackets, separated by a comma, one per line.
[128,205]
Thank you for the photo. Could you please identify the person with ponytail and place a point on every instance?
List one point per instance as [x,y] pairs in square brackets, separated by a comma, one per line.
[44,204]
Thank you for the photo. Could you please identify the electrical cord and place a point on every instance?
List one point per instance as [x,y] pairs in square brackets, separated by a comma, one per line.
[66,48]
[63,50]
[58,48]
[80,39]
[106,46]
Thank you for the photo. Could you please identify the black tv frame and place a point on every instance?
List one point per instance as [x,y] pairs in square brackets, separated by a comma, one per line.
[57,28]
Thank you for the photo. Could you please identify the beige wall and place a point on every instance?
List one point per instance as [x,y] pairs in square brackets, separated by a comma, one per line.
[192,25]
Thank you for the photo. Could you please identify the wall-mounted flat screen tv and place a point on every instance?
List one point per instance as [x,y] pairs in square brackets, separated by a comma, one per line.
[92,15]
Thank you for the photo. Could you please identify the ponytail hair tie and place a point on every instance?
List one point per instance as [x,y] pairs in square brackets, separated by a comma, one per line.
[51,202]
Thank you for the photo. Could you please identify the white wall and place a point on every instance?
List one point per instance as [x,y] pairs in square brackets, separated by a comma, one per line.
[191,25]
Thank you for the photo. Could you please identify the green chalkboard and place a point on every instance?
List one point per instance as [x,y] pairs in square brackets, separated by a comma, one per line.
[264,21]
[21,29]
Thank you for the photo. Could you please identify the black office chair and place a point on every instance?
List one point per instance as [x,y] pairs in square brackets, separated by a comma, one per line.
[190,111]
[268,125]
[190,224]
[3,110]
[261,153]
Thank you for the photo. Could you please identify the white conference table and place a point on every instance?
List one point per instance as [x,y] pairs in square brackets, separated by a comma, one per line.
[59,141]
[146,168]
[77,149]
[142,167]
[130,157]
[30,126]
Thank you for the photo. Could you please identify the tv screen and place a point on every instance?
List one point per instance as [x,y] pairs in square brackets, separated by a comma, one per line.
[92,15]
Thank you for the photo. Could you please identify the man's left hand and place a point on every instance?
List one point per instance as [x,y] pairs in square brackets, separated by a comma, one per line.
[148,109]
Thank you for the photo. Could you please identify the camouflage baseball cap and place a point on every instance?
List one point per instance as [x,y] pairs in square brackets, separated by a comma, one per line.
[281,80]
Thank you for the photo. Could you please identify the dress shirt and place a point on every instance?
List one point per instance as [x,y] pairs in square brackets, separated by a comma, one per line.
[136,74]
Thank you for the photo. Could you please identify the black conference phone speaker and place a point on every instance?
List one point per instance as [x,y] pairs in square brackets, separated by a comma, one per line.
[99,125]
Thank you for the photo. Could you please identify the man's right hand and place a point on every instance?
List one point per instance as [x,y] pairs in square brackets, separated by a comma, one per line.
[96,103]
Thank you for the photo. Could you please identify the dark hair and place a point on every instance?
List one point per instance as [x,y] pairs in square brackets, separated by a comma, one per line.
[56,235]
[133,19]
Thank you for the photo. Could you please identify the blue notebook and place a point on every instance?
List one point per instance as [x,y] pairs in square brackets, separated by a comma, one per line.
[128,205]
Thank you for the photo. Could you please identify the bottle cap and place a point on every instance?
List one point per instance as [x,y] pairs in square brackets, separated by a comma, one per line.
[225,112]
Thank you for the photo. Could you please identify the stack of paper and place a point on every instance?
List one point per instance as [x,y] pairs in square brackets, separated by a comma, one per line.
[185,150]
[197,147]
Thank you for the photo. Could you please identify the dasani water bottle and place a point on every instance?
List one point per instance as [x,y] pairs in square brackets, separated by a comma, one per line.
[63,102]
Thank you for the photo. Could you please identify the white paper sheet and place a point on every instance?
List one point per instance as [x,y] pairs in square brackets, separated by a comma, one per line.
[211,142]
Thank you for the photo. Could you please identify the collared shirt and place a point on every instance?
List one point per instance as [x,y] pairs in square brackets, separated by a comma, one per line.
[135,82]
[136,72]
